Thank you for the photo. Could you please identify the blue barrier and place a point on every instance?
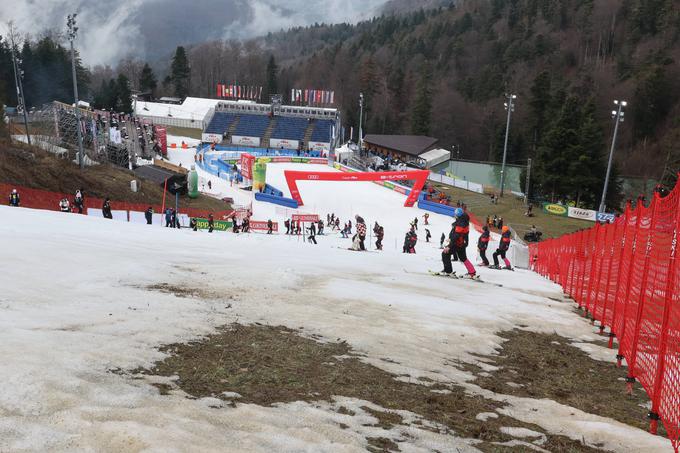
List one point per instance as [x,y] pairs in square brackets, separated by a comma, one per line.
[271,190]
[282,201]
[435,207]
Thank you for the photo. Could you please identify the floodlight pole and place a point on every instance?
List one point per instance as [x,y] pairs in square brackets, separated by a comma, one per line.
[72,32]
[510,107]
[361,118]
[618,118]
[18,75]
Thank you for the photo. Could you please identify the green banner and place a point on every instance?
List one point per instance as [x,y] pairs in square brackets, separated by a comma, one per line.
[299,160]
[389,185]
[218,225]
[556,209]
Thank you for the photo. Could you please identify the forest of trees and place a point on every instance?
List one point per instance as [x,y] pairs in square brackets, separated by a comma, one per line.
[444,72]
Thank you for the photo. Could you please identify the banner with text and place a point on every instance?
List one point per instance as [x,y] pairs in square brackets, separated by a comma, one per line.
[246,141]
[319,146]
[262,226]
[283,143]
[247,161]
[583,214]
[555,209]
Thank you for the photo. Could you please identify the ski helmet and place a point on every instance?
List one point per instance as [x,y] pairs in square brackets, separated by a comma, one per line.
[505,228]
[458,212]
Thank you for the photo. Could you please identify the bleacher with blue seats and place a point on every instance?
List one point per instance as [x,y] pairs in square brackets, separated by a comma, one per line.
[252,125]
[220,123]
[290,128]
[322,131]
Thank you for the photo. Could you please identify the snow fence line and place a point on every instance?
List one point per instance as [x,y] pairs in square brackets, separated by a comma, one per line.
[626,275]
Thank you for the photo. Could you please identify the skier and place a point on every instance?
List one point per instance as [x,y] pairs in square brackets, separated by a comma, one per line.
[414,223]
[428,235]
[483,244]
[14,199]
[426,218]
[64,205]
[211,223]
[343,232]
[149,215]
[337,223]
[502,249]
[380,234]
[441,241]
[106,209]
[410,241]
[286,223]
[446,257]
[312,233]
[168,217]
[361,231]
[193,224]
[500,223]
[320,228]
[78,201]
[270,226]
[459,241]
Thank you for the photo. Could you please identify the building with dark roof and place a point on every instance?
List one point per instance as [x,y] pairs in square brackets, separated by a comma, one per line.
[407,148]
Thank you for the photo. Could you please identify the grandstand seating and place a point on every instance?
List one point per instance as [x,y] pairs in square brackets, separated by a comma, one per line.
[290,128]
[252,125]
[220,123]
[322,131]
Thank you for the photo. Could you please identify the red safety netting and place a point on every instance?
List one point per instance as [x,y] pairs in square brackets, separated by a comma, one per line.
[626,276]
[43,199]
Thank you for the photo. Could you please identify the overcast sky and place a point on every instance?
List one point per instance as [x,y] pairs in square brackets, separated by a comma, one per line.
[113,30]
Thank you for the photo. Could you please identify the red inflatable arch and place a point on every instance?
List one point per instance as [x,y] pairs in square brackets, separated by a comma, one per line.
[418,176]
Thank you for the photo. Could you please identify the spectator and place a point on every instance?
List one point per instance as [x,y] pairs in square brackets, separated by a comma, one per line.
[79,201]
[270,226]
[14,199]
[312,233]
[168,218]
[148,215]
[193,224]
[64,205]
[106,209]
[211,223]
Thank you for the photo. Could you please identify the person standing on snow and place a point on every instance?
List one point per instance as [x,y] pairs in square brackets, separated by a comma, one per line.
[441,241]
[64,205]
[148,215]
[211,223]
[193,224]
[168,217]
[380,234]
[312,233]
[270,226]
[459,241]
[502,249]
[78,201]
[106,209]
[483,244]
[320,229]
[428,235]
[426,218]
[286,223]
[14,199]
[361,231]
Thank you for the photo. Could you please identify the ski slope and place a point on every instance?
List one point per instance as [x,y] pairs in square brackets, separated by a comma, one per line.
[75,304]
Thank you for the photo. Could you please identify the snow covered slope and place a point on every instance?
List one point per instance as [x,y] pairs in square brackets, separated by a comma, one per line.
[75,304]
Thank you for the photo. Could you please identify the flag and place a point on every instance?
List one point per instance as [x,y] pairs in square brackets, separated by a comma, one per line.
[219,90]
[332,97]
[306,95]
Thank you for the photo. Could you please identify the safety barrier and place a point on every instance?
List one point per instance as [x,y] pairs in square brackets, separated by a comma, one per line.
[43,199]
[438,208]
[282,201]
[625,275]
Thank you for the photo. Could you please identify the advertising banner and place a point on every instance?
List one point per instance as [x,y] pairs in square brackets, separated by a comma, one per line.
[162,134]
[605,217]
[262,226]
[259,175]
[305,217]
[555,209]
[278,143]
[319,146]
[211,138]
[246,141]
[218,225]
[583,214]
[247,161]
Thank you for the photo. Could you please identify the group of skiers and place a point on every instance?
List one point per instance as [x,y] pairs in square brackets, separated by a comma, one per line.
[454,247]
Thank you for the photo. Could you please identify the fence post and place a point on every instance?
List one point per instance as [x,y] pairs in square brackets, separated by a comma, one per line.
[663,342]
[624,222]
[596,295]
[638,212]
[630,379]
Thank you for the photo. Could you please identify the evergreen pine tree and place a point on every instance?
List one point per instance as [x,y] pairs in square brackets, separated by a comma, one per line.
[124,98]
[422,106]
[271,86]
[147,80]
[180,73]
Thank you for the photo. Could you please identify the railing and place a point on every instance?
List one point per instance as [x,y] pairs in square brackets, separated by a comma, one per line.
[626,276]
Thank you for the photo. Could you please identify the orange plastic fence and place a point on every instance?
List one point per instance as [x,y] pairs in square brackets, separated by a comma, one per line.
[626,276]
[43,199]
